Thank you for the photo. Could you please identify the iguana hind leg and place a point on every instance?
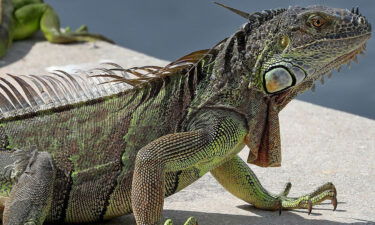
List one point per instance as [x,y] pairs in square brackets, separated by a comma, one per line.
[30,198]
[237,177]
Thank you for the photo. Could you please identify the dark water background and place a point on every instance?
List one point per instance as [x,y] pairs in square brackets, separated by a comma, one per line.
[168,29]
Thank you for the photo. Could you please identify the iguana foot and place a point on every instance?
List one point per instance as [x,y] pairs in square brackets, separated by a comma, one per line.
[66,35]
[80,34]
[324,192]
[30,198]
[50,26]
[190,221]
[13,171]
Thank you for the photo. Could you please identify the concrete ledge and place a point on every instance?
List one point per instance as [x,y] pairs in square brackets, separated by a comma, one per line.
[36,57]
[319,145]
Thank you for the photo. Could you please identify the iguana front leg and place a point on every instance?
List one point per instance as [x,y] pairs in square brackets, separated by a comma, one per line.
[210,139]
[237,177]
[30,197]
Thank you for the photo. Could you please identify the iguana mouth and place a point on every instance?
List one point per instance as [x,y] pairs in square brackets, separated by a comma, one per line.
[346,58]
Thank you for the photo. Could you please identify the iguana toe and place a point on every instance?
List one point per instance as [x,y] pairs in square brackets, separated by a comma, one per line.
[286,190]
[190,221]
[30,223]
[168,222]
[82,28]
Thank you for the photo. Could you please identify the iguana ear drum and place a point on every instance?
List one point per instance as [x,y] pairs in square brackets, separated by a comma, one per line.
[277,79]
[281,77]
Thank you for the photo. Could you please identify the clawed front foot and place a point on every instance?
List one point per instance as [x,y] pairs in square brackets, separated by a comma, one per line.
[190,221]
[80,34]
[324,192]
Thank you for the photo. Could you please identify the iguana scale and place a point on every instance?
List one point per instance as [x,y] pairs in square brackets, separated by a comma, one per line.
[74,150]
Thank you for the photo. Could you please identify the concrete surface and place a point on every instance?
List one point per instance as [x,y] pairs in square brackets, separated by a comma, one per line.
[319,145]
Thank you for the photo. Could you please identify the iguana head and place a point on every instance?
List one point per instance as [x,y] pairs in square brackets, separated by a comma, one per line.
[309,43]
[301,44]
[285,51]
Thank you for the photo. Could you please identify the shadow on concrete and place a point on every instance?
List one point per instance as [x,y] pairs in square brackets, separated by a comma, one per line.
[18,50]
[315,211]
[262,217]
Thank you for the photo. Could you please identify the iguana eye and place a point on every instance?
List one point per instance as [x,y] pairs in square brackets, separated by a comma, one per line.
[317,21]
[278,79]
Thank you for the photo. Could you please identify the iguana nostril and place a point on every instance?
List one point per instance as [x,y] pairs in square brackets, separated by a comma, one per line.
[361,20]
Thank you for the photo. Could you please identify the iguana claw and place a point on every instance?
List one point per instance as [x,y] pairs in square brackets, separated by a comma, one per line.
[309,206]
[334,203]
[280,206]
[334,199]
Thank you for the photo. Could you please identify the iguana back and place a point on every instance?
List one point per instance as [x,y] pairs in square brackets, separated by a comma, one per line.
[88,123]
[75,116]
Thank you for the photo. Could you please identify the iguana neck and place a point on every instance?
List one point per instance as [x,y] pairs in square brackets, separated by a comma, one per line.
[226,81]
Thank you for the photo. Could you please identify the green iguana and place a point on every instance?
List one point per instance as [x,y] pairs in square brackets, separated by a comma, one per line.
[76,151]
[20,19]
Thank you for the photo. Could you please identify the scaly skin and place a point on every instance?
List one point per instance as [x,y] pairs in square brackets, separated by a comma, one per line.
[20,19]
[76,151]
